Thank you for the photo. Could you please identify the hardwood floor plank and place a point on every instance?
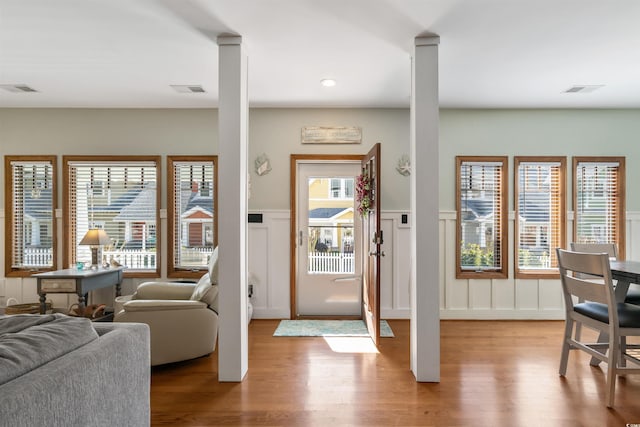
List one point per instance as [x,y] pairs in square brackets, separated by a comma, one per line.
[493,373]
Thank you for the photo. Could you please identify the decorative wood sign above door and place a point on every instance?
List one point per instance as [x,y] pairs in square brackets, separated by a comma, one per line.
[331,135]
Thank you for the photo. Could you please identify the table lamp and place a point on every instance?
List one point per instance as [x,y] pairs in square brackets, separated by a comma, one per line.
[95,237]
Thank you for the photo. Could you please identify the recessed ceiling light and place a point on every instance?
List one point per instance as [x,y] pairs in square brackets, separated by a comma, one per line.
[18,88]
[328,82]
[583,88]
[188,88]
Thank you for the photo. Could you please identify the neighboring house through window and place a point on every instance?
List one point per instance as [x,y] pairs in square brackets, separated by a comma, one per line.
[191,214]
[481,205]
[341,188]
[540,214]
[599,200]
[30,203]
[120,195]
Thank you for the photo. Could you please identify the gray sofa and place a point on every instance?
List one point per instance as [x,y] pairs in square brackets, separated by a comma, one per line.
[88,379]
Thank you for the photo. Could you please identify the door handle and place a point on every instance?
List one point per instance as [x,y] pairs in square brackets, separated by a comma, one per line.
[373,253]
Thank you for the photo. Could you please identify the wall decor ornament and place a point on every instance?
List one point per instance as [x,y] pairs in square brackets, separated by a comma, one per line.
[331,135]
[262,165]
[364,195]
[404,165]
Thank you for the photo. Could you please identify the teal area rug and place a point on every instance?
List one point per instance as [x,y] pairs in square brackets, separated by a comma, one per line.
[328,328]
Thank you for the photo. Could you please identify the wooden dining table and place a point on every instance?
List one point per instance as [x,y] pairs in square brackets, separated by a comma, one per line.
[626,273]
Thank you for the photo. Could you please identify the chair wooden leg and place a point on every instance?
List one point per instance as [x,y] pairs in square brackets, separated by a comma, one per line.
[623,350]
[578,334]
[612,361]
[564,356]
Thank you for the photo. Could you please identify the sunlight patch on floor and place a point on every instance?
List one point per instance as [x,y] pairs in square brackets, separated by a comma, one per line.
[351,344]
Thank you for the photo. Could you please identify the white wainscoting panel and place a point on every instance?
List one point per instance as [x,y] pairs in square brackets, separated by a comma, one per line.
[459,298]
[269,265]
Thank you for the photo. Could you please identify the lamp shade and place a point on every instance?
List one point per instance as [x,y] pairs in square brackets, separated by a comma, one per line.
[95,237]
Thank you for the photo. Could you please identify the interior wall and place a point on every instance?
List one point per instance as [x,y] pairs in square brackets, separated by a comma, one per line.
[539,133]
[276,132]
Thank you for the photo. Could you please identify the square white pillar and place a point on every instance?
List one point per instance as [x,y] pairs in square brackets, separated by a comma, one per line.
[425,251]
[233,112]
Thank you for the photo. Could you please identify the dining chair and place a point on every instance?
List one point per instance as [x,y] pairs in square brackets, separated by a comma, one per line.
[599,312]
[633,294]
[610,249]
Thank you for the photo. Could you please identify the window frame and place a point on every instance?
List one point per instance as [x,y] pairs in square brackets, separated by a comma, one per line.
[621,179]
[172,270]
[102,160]
[10,215]
[503,271]
[551,273]
[342,190]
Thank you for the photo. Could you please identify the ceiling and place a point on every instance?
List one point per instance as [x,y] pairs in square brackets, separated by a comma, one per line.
[492,53]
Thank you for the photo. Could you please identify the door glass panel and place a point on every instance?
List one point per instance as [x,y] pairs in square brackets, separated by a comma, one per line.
[330,230]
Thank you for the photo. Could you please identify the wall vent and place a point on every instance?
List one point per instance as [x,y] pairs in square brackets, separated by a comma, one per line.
[583,88]
[18,88]
[188,88]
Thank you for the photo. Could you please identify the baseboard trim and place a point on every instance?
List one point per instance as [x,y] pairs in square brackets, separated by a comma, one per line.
[502,314]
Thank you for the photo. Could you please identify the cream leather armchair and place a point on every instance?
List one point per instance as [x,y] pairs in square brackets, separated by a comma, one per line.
[182,317]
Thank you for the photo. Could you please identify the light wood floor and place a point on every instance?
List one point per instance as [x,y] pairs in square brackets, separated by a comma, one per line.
[493,373]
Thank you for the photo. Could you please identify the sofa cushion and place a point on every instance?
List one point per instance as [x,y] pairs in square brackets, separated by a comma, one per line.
[206,292]
[213,266]
[28,341]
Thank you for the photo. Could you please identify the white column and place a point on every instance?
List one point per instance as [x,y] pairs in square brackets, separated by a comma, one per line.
[425,310]
[233,344]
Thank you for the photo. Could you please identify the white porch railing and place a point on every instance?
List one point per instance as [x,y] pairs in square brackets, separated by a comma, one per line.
[136,259]
[195,257]
[38,257]
[326,262]
[132,258]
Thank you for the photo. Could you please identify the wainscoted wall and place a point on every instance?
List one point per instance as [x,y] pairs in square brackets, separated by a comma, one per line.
[459,299]
[269,265]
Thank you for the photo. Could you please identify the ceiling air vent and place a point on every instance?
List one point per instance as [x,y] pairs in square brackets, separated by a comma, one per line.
[583,88]
[188,88]
[19,88]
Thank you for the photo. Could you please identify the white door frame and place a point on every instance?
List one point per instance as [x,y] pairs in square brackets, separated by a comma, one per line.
[294,160]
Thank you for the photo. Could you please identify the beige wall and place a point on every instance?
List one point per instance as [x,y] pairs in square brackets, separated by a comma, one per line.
[275,132]
[539,132]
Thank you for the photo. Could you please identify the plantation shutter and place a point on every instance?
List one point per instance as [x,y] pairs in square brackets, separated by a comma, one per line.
[193,214]
[481,207]
[119,197]
[539,213]
[32,217]
[598,209]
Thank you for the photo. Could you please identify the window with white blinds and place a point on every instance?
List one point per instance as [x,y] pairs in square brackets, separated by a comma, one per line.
[192,216]
[30,198]
[119,195]
[540,214]
[599,200]
[482,216]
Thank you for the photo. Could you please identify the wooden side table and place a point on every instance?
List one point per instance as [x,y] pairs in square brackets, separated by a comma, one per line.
[79,282]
